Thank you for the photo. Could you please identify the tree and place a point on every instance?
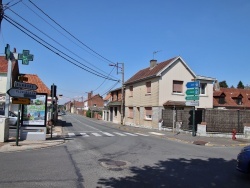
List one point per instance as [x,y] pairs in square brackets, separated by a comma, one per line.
[223,84]
[240,85]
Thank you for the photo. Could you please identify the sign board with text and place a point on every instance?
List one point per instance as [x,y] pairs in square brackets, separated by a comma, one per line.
[192,103]
[21,101]
[23,85]
[18,93]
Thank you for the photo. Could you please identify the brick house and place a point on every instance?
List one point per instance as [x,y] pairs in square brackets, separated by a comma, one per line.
[94,103]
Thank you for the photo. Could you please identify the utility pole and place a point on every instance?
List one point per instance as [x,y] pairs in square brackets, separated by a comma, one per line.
[122,72]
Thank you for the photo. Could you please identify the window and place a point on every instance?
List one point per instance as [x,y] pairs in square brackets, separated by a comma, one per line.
[94,105]
[177,86]
[239,101]
[148,113]
[115,111]
[203,87]
[222,100]
[131,91]
[130,112]
[148,85]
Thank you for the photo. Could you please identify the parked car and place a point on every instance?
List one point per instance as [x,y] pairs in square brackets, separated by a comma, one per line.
[12,118]
[243,160]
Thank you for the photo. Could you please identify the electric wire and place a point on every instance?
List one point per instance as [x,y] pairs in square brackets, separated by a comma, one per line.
[56,52]
[7,7]
[70,33]
[56,41]
[62,33]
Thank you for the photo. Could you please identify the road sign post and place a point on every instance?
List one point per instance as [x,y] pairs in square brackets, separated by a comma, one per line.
[192,99]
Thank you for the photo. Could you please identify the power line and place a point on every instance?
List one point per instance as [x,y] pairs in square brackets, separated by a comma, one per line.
[62,33]
[99,75]
[55,41]
[70,33]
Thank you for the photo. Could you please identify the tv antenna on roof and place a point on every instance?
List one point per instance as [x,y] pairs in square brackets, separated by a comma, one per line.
[155,53]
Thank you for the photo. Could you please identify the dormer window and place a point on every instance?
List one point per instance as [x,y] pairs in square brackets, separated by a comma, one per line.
[222,99]
[238,100]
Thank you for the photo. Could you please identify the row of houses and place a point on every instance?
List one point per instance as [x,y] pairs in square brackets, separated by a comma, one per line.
[161,86]
[149,95]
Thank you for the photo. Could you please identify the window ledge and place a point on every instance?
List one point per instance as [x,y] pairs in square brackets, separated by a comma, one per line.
[181,94]
[147,94]
[147,119]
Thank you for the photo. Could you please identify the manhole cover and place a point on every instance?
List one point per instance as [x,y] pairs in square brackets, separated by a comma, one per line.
[114,164]
[200,142]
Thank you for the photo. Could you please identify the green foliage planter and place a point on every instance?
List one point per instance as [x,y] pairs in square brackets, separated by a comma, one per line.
[88,113]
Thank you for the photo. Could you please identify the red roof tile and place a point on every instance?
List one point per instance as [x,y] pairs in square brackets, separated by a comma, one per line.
[230,95]
[149,72]
[4,64]
[34,79]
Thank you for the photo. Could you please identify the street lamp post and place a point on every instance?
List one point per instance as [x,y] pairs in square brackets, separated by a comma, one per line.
[122,72]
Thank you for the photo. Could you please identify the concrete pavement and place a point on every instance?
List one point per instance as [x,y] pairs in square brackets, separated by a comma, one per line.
[187,138]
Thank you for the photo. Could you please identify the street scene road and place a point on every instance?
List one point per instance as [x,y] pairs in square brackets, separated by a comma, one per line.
[97,154]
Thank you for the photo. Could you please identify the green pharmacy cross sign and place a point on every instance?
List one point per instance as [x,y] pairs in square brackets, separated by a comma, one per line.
[25,57]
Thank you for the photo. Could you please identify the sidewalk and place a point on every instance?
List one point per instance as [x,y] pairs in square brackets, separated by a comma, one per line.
[185,137]
[10,145]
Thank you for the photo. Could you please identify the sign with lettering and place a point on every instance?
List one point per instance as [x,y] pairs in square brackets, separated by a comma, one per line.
[23,85]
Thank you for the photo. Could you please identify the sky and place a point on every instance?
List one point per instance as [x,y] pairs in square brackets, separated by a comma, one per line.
[75,42]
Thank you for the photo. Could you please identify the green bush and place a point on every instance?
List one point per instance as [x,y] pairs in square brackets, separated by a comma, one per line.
[88,113]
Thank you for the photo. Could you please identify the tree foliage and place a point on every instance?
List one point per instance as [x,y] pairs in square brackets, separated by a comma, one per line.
[240,85]
[223,84]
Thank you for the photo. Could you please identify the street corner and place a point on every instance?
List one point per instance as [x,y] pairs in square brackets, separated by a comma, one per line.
[26,145]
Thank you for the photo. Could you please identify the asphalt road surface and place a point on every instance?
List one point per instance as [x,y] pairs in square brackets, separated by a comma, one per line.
[97,155]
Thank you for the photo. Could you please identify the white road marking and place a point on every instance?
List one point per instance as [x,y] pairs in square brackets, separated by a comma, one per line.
[84,134]
[131,134]
[120,134]
[141,134]
[108,134]
[156,133]
[96,134]
[71,134]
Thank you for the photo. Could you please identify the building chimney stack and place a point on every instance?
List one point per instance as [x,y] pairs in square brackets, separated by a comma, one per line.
[153,62]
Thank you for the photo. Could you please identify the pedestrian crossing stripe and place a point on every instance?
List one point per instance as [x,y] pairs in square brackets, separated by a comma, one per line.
[142,134]
[131,134]
[120,134]
[96,134]
[84,134]
[71,134]
[108,134]
[155,133]
[103,134]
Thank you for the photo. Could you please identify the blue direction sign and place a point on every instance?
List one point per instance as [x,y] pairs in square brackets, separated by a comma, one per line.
[21,93]
[193,84]
[193,91]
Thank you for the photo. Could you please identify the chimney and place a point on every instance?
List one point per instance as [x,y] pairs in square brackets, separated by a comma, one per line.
[216,85]
[153,62]
[90,95]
